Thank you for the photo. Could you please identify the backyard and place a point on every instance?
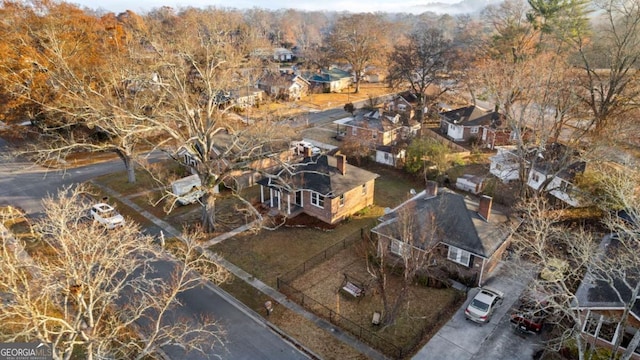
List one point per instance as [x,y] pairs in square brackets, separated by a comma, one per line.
[318,289]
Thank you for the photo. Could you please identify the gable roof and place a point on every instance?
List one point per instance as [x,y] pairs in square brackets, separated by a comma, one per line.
[472,116]
[327,75]
[457,223]
[560,159]
[320,174]
[376,120]
[598,294]
[281,79]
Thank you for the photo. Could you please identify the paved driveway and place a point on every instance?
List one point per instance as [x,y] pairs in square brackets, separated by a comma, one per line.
[461,339]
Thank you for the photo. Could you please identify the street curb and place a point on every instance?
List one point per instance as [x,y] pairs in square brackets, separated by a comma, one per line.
[342,336]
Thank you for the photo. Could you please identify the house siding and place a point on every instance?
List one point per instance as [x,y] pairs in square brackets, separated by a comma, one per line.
[332,212]
[633,322]
[354,201]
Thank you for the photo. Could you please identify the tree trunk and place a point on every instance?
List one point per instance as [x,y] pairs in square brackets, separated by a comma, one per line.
[129,165]
[392,308]
[420,110]
[208,217]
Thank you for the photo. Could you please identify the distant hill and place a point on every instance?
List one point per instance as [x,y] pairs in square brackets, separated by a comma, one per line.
[462,7]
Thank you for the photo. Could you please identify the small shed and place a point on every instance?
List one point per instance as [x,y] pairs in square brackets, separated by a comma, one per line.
[471,183]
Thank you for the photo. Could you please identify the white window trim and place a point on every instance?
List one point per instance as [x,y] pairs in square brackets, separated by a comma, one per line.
[399,248]
[601,319]
[364,189]
[341,198]
[475,129]
[315,200]
[354,130]
[458,259]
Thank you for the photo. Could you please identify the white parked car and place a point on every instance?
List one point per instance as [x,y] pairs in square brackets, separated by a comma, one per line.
[483,304]
[106,215]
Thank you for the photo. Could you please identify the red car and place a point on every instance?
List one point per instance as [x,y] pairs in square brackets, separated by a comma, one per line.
[531,314]
[529,321]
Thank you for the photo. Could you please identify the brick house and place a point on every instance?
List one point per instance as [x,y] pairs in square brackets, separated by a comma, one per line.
[601,307]
[471,236]
[322,186]
[378,128]
[472,123]
[284,86]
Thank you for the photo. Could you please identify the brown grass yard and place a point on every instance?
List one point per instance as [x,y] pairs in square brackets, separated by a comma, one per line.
[268,254]
[426,307]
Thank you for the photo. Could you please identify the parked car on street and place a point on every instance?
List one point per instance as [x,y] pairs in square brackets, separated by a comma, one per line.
[106,215]
[483,305]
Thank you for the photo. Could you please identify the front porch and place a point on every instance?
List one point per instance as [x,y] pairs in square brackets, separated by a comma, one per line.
[287,204]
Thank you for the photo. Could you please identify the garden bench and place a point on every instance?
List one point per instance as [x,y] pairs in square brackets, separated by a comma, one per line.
[352,289]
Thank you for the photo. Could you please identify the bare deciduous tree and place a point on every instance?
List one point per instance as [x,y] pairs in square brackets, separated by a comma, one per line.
[597,269]
[405,242]
[101,293]
[425,55]
[359,40]
[609,61]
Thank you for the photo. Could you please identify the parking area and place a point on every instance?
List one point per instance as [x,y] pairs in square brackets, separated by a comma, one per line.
[461,339]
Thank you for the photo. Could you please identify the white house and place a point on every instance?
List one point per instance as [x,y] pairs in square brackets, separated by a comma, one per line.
[387,155]
[505,165]
[554,171]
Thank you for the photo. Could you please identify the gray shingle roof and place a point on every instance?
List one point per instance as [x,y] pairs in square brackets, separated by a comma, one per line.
[472,116]
[320,174]
[457,223]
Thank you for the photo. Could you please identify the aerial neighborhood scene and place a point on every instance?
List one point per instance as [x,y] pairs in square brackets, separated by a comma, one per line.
[301,180]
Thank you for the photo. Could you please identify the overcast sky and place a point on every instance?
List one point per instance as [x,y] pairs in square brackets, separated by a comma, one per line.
[408,6]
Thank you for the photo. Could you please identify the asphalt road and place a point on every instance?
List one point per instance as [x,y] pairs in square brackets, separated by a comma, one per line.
[326,116]
[24,185]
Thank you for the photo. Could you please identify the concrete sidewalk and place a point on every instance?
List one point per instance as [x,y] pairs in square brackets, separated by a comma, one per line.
[251,280]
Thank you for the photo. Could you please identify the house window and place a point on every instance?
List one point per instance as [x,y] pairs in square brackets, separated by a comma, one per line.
[601,327]
[474,130]
[342,200]
[402,107]
[374,135]
[591,325]
[499,167]
[364,189]
[459,256]
[399,248]
[386,156]
[317,199]
[565,187]
[354,130]
[608,330]
[535,177]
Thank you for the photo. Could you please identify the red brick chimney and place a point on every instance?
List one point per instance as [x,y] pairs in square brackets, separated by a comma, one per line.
[430,189]
[342,163]
[484,209]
